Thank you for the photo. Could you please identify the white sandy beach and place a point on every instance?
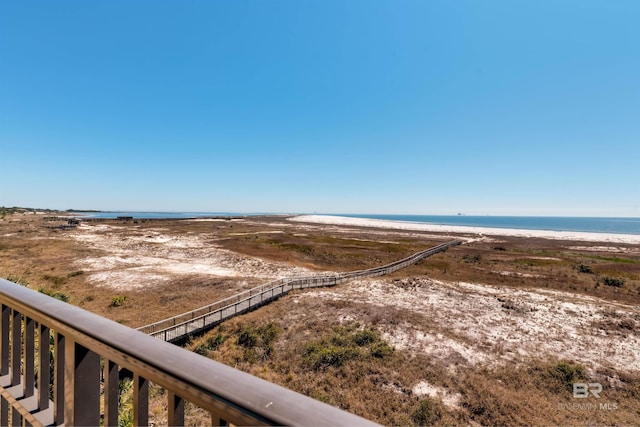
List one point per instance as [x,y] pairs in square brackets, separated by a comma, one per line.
[478,231]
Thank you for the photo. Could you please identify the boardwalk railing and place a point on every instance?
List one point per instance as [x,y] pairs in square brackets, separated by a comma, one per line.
[59,365]
[179,327]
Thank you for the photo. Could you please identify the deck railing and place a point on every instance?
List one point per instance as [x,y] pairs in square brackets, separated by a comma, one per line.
[60,365]
[183,325]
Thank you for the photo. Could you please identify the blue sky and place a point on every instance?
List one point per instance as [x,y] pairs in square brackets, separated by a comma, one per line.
[424,107]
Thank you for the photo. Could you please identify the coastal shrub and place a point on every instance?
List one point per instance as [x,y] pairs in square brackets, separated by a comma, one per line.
[584,269]
[118,301]
[210,344]
[627,324]
[612,281]
[319,356]
[248,338]
[216,341]
[381,350]
[365,337]
[563,374]
[427,413]
[202,349]
[345,344]
[257,341]
[53,294]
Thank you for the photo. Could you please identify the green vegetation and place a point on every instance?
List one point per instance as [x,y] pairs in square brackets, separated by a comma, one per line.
[305,249]
[257,342]
[612,281]
[615,259]
[562,375]
[210,344]
[54,294]
[345,344]
[4,211]
[584,269]
[365,337]
[324,250]
[320,355]
[125,403]
[20,280]
[427,413]
[118,301]
[381,350]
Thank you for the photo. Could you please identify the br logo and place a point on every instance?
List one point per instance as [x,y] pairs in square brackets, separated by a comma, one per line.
[582,390]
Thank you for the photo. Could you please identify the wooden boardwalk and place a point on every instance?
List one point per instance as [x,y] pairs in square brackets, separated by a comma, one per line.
[180,327]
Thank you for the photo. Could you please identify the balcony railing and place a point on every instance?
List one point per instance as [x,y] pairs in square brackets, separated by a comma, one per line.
[60,365]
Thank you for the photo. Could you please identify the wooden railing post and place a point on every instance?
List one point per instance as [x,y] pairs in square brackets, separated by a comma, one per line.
[82,386]
[5,352]
[59,354]
[140,401]
[44,363]
[16,361]
[176,410]
[28,385]
[5,320]
[4,412]
[111,390]
[217,421]
[16,347]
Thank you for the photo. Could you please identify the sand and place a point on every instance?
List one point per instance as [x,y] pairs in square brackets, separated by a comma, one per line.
[142,259]
[477,231]
[466,324]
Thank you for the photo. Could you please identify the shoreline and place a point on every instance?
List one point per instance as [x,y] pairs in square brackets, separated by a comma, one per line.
[585,236]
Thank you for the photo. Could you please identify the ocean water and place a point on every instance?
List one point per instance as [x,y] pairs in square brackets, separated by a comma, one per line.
[595,225]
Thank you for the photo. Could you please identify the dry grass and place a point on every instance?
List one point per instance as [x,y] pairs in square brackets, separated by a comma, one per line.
[317,355]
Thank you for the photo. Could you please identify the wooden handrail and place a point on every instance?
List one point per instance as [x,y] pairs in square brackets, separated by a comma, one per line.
[84,341]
